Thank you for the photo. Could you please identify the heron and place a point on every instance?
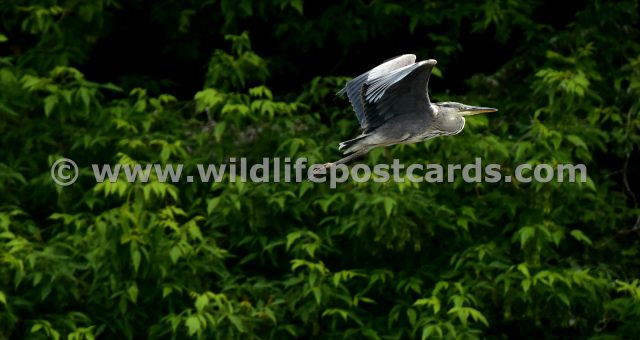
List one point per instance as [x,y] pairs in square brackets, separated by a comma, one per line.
[391,102]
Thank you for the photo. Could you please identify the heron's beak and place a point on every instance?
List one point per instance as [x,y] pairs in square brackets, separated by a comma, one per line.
[474,110]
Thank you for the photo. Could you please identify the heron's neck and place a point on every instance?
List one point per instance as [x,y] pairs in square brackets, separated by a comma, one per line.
[449,123]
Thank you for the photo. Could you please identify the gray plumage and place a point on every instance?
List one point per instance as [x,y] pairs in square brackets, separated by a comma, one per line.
[392,104]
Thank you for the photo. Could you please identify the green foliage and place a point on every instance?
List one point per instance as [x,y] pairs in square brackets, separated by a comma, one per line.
[152,259]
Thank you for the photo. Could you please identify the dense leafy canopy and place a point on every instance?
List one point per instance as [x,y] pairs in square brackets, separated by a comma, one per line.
[140,82]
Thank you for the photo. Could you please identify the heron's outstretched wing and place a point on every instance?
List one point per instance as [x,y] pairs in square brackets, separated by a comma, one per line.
[392,92]
[353,89]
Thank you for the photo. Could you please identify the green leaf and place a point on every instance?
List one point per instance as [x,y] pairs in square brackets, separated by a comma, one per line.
[389,204]
[580,236]
[212,204]
[317,293]
[525,234]
[132,291]
[201,302]
[194,230]
[292,237]
[577,141]
[521,149]
[563,297]
[297,4]
[477,316]
[526,284]
[193,325]
[166,291]
[436,72]
[8,110]
[433,301]
[412,315]
[218,130]
[112,87]
[333,311]
[175,254]
[136,258]
[429,330]
[236,321]
[85,96]
[49,103]
[590,184]
[522,267]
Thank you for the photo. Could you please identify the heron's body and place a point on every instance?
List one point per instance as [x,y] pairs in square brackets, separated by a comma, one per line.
[392,104]
[423,127]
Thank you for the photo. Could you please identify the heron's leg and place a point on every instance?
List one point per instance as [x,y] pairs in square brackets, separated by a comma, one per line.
[350,157]
[346,159]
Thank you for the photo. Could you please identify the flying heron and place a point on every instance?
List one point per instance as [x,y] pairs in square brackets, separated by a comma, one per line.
[392,104]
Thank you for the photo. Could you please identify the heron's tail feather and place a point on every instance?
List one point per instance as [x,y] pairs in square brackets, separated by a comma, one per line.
[349,144]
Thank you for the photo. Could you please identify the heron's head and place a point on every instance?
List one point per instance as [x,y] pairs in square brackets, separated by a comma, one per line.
[459,109]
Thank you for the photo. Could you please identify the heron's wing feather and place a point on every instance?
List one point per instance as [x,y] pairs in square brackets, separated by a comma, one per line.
[400,92]
[376,86]
[392,65]
[353,89]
